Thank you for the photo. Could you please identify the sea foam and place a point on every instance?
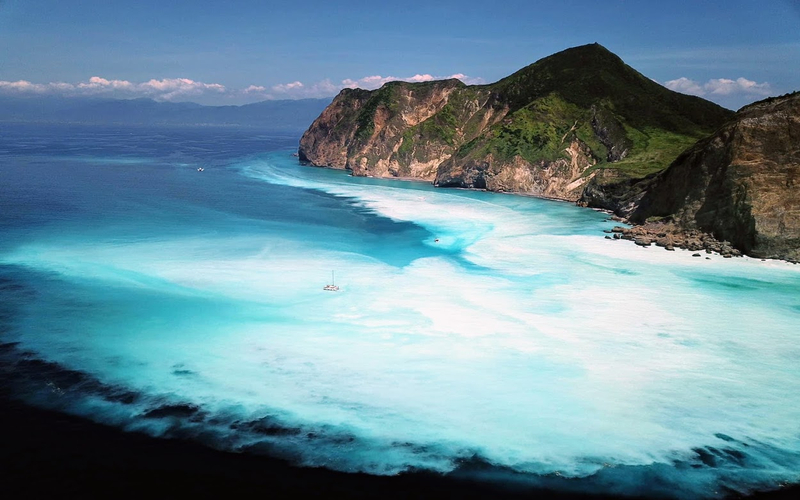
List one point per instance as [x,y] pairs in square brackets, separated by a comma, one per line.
[522,339]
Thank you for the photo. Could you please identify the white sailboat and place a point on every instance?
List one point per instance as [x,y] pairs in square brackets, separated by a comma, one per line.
[331,287]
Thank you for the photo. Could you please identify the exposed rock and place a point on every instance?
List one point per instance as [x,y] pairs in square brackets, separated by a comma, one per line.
[615,190]
[668,235]
[742,184]
[611,134]
[379,134]
[663,241]
[561,178]
[328,145]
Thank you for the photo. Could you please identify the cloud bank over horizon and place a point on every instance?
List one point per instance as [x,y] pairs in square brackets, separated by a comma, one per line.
[183,89]
[720,89]
[167,89]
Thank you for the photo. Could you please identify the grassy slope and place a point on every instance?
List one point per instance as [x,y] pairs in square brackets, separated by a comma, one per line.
[549,96]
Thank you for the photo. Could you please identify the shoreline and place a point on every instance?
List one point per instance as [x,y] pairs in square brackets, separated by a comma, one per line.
[669,236]
[663,234]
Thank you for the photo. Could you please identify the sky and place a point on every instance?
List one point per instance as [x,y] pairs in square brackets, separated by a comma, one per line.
[732,52]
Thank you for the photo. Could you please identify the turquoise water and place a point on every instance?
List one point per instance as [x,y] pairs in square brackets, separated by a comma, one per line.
[469,327]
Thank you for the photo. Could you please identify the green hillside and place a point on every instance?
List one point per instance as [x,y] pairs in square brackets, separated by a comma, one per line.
[591,93]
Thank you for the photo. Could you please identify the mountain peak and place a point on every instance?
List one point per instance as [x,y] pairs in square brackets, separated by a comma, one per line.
[580,56]
[591,75]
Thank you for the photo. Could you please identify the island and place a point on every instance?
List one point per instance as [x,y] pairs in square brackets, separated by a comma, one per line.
[582,126]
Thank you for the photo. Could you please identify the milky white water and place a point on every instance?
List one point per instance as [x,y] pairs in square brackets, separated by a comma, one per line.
[468,326]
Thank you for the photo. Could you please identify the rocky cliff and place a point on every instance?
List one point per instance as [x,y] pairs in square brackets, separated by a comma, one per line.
[742,184]
[578,121]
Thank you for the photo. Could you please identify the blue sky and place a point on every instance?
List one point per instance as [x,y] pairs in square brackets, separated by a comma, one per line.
[213,52]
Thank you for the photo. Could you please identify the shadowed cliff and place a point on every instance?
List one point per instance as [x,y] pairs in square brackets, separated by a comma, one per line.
[741,184]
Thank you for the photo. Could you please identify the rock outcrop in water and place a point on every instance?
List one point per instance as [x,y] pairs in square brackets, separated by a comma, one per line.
[575,121]
[742,184]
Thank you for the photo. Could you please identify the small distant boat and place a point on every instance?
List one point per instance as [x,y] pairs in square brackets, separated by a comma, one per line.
[200,169]
[331,287]
[295,154]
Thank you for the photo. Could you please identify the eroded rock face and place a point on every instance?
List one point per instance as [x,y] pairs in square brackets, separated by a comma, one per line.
[611,133]
[391,132]
[561,178]
[612,190]
[742,184]
[328,144]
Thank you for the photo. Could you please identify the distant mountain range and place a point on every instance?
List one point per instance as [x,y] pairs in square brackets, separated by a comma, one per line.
[274,115]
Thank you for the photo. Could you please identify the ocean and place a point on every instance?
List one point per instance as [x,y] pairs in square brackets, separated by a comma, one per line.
[478,334]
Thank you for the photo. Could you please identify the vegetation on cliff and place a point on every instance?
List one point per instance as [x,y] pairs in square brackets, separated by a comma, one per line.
[581,125]
[545,130]
[629,121]
[742,184]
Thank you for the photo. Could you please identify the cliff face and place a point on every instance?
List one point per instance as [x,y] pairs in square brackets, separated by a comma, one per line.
[548,130]
[332,130]
[399,130]
[742,184]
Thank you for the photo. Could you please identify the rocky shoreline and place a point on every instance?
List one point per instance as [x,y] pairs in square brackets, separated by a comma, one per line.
[664,233]
[670,236]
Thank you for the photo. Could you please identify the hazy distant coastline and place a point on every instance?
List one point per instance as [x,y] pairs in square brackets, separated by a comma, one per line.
[287,114]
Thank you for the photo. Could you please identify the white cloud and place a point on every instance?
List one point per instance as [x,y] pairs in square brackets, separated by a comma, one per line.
[23,86]
[420,78]
[326,88]
[720,87]
[299,90]
[168,89]
[469,80]
[255,89]
[288,87]
[182,89]
[171,89]
[98,84]
[723,86]
[368,82]
[377,81]
[685,86]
